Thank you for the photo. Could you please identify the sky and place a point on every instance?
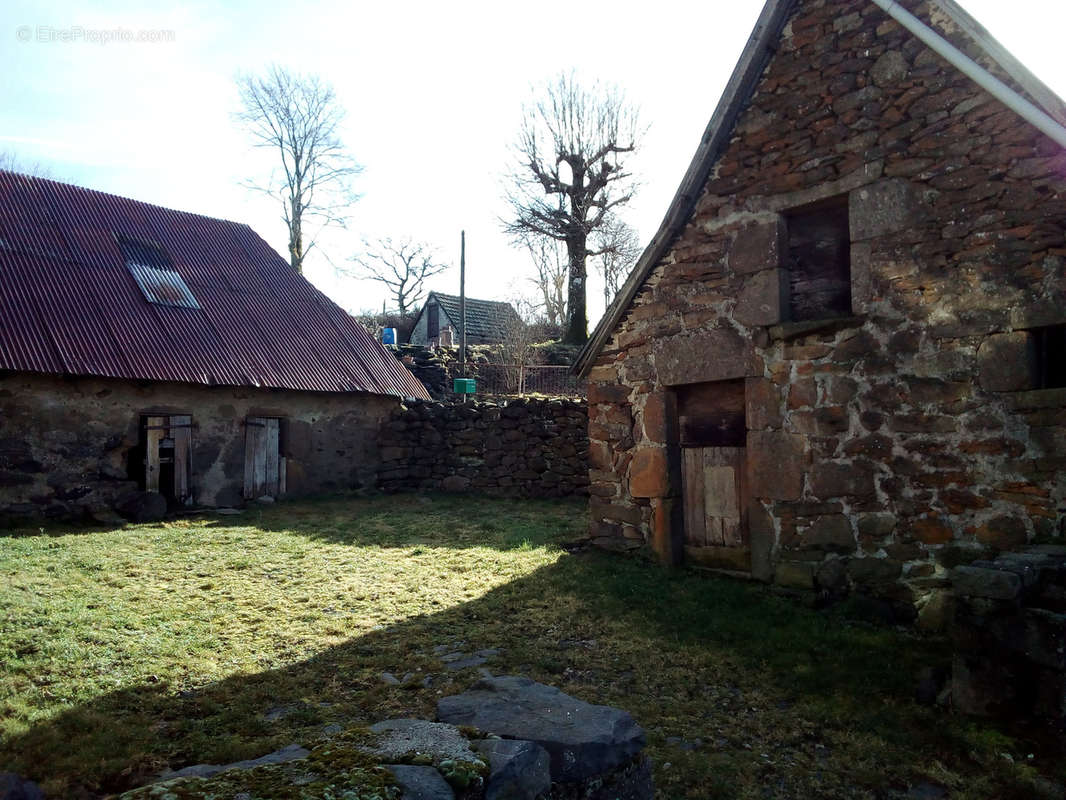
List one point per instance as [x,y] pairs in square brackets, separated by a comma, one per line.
[137,99]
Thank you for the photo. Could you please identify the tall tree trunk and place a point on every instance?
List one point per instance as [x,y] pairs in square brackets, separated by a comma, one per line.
[577,324]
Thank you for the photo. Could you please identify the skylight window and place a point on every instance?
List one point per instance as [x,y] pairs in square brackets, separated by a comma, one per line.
[152,270]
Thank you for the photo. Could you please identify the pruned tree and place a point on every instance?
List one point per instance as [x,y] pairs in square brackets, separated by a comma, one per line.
[402,265]
[570,176]
[619,248]
[299,117]
[549,277]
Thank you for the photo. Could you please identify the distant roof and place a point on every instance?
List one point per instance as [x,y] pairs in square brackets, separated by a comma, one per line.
[735,97]
[487,319]
[95,284]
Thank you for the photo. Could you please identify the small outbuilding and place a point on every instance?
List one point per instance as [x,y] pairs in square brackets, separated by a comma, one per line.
[151,351]
[438,323]
[841,361]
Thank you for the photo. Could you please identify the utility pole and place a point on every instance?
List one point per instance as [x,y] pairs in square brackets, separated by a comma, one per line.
[462,304]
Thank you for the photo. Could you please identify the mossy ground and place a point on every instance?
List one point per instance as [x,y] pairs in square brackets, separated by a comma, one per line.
[215,639]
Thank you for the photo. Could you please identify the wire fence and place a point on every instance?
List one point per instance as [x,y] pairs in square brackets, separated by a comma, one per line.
[522,379]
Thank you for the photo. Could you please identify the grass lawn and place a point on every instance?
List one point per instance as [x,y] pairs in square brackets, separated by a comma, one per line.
[218,638]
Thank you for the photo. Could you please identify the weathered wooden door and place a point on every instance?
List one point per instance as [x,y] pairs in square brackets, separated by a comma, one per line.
[712,432]
[264,468]
[168,446]
[712,477]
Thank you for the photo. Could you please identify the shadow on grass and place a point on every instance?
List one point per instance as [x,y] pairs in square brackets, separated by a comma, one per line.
[687,655]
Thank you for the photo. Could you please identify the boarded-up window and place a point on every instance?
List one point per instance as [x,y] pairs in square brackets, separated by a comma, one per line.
[712,414]
[432,321]
[819,262]
[1050,345]
[167,443]
[264,466]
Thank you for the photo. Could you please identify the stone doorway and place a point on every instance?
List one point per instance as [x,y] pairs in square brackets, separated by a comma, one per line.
[712,431]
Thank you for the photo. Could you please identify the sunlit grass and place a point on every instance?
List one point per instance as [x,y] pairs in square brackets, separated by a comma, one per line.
[210,640]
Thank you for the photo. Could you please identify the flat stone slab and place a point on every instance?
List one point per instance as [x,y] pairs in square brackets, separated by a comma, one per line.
[399,737]
[420,783]
[14,787]
[518,770]
[582,740]
[291,753]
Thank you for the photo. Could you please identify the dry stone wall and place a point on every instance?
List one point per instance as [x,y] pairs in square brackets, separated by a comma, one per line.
[889,444]
[522,448]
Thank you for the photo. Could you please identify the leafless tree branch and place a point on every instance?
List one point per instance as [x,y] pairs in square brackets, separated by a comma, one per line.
[299,117]
[402,265]
[590,130]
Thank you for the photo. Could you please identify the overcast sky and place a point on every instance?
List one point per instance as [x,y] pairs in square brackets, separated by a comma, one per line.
[433,92]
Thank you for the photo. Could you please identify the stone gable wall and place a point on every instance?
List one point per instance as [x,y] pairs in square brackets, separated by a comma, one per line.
[885,445]
[67,445]
[521,448]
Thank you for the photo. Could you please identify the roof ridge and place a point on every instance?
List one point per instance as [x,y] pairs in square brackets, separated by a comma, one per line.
[122,197]
[741,85]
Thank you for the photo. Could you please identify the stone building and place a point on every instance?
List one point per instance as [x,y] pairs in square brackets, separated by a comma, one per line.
[841,361]
[487,321]
[145,351]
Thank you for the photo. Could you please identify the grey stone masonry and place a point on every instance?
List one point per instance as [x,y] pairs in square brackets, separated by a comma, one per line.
[1009,633]
[522,448]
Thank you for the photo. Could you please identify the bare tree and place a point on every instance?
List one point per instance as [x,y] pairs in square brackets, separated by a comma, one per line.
[402,265]
[515,349]
[11,162]
[619,249]
[550,266]
[570,175]
[299,117]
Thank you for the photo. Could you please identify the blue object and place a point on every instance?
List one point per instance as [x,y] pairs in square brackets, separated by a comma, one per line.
[388,336]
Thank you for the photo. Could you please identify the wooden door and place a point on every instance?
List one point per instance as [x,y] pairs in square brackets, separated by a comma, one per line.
[167,456]
[264,468]
[715,525]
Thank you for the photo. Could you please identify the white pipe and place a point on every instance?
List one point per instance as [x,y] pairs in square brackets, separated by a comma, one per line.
[990,83]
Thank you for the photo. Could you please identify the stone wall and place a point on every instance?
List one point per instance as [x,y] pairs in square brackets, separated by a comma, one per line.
[1009,632]
[896,440]
[522,448]
[68,447]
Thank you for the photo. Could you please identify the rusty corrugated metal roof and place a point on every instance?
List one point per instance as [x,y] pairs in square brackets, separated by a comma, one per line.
[70,305]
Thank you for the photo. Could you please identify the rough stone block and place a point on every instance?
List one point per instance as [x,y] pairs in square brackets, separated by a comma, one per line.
[776,464]
[649,474]
[715,355]
[994,584]
[659,416]
[932,530]
[1006,362]
[1002,533]
[867,571]
[760,246]
[608,393]
[762,404]
[830,533]
[667,530]
[761,298]
[582,740]
[613,512]
[761,540]
[833,479]
[794,575]
[888,206]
